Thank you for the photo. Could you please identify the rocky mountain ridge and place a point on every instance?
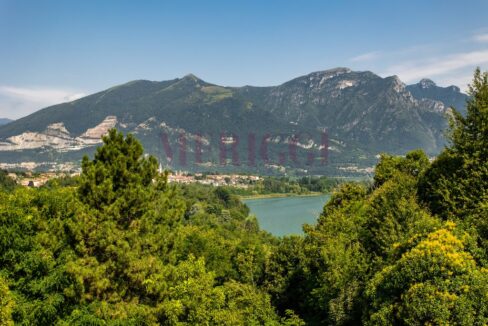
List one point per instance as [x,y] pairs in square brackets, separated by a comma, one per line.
[361,113]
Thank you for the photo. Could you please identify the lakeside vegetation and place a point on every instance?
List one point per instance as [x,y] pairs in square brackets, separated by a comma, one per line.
[273,187]
[281,195]
[124,247]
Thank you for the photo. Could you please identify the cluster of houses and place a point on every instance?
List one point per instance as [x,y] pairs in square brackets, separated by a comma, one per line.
[235,180]
[29,179]
[33,180]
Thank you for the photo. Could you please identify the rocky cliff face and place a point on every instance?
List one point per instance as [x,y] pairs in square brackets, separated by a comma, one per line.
[377,113]
[57,137]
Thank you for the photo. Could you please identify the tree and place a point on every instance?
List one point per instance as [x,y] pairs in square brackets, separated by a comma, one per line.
[285,275]
[33,253]
[413,164]
[119,179]
[6,183]
[435,282]
[335,261]
[394,214]
[6,304]
[193,299]
[457,182]
[121,234]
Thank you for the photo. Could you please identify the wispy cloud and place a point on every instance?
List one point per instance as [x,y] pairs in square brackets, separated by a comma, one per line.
[369,56]
[443,62]
[432,67]
[480,38]
[16,102]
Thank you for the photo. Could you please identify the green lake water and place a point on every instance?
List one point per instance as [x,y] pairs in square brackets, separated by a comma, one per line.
[285,216]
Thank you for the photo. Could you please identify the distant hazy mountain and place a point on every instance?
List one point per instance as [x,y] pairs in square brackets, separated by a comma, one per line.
[451,96]
[362,113]
[4,121]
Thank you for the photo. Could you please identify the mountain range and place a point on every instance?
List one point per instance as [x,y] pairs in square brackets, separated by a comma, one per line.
[4,121]
[346,117]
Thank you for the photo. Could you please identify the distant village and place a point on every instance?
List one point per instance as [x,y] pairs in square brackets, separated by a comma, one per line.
[235,180]
[30,179]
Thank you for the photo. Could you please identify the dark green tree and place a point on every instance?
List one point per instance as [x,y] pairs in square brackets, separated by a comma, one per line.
[119,179]
[413,164]
[334,262]
[394,214]
[6,183]
[457,182]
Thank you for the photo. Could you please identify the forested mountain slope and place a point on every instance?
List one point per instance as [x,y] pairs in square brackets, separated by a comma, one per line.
[358,113]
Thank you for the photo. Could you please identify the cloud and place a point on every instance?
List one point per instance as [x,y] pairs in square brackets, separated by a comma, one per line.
[480,38]
[40,95]
[439,66]
[16,102]
[442,61]
[461,79]
[369,56]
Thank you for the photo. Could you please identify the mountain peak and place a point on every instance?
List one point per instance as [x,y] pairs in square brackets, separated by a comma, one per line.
[396,83]
[333,71]
[450,96]
[454,88]
[317,78]
[191,77]
[426,83]
[191,81]
[395,79]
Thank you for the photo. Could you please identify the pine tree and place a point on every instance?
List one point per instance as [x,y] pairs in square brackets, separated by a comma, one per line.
[119,179]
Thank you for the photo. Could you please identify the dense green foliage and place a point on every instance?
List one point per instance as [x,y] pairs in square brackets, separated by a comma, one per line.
[126,248]
[123,247]
[6,183]
[456,185]
[6,303]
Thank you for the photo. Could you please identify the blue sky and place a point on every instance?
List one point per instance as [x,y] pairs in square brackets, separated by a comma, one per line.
[56,51]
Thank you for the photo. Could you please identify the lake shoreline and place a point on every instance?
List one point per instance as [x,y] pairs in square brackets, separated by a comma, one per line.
[282,216]
[280,195]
